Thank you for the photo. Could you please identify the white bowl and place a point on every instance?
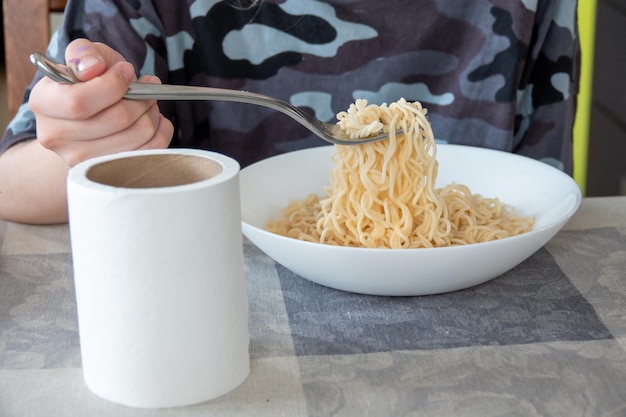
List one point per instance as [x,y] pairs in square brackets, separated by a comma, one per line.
[534,188]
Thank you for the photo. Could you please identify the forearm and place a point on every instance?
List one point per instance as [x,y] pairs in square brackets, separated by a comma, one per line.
[32,185]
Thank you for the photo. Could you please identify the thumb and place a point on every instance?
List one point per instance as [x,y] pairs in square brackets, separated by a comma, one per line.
[88,60]
[84,59]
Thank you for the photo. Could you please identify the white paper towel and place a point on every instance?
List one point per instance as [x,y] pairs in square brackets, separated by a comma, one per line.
[158,267]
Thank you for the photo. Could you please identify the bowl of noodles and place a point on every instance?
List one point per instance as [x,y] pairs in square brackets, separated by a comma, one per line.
[404,216]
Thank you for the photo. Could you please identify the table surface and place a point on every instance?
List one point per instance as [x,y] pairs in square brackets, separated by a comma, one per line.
[545,339]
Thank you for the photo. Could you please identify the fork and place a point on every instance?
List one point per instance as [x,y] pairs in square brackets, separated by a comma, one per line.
[143,91]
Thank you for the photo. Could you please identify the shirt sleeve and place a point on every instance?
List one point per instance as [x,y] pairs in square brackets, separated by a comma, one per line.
[546,102]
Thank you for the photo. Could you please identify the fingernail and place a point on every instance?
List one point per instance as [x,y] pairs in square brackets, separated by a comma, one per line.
[83,64]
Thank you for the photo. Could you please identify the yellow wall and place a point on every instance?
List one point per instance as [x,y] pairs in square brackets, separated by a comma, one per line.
[586,24]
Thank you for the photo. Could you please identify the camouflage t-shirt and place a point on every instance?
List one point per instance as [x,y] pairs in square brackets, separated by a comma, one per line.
[501,74]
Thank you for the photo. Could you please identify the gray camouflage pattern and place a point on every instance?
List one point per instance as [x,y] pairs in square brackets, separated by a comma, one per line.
[501,74]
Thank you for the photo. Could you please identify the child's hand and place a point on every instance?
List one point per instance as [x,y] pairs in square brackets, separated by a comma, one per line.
[91,118]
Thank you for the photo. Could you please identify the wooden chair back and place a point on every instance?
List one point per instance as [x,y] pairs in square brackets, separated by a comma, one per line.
[26,30]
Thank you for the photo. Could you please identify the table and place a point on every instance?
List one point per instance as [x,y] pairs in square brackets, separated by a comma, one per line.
[545,339]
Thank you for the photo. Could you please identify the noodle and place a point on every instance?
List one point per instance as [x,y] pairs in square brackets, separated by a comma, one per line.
[382,194]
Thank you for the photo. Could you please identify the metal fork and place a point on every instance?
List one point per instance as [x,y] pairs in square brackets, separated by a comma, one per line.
[143,91]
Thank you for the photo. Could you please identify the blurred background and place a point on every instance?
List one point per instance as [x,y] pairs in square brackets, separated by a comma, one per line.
[606,172]
[600,131]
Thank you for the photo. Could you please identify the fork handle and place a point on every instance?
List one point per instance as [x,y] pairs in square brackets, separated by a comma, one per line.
[145,91]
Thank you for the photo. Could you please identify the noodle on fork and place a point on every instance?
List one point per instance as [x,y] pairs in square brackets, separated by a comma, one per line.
[382,194]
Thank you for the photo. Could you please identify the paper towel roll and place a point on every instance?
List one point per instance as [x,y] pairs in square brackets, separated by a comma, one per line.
[158,268]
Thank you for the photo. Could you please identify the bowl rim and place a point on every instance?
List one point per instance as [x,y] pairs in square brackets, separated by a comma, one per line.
[560,221]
